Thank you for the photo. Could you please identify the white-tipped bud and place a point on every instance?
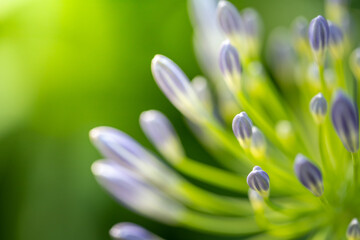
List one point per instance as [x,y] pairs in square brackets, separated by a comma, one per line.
[176,86]
[230,66]
[353,231]
[242,128]
[318,108]
[258,143]
[162,134]
[202,90]
[131,231]
[136,193]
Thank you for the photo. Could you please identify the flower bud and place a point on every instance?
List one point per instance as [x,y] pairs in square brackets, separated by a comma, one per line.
[131,231]
[229,19]
[258,143]
[355,63]
[318,108]
[319,37]
[353,231]
[309,175]
[176,86]
[162,134]
[242,128]
[230,66]
[130,189]
[336,41]
[252,28]
[300,36]
[258,180]
[345,119]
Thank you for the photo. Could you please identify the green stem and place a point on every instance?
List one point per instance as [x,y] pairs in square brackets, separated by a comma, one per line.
[212,175]
[219,225]
[355,169]
[323,82]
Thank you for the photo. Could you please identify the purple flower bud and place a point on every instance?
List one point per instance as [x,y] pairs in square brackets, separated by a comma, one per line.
[251,21]
[300,28]
[258,180]
[162,134]
[319,33]
[116,145]
[242,128]
[229,18]
[336,40]
[353,231]
[230,65]
[309,175]
[131,231]
[345,119]
[130,189]
[175,85]
[318,108]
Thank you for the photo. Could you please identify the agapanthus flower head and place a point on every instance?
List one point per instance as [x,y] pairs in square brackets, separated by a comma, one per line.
[353,231]
[309,175]
[313,194]
[345,118]
[131,231]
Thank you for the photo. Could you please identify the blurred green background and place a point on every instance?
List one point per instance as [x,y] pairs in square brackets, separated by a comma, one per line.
[67,66]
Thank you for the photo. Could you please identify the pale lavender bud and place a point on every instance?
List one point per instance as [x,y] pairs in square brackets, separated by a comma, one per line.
[319,35]
[162,134]
[251,21]
[300,28]
[131,231]
[258,180]
[116,145]
[318,108]
[229,18]
[258,143]
[176,86]
[345,119]
[130,189]
[230,66]
[242,128]
[309,175]
[353,231]
[336,40]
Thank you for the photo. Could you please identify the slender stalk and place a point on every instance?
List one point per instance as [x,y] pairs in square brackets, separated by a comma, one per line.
[323,82]
[355,160]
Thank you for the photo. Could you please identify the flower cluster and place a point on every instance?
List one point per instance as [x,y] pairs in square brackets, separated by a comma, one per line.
[291,161]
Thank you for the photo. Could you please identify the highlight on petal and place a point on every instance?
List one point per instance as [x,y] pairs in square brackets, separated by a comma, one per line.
[131,231]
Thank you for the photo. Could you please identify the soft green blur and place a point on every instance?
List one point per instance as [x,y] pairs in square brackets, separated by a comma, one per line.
[67,66]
